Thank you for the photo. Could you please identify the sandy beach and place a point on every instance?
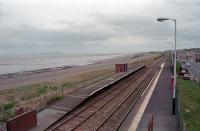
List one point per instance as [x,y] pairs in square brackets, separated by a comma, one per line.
[63,73]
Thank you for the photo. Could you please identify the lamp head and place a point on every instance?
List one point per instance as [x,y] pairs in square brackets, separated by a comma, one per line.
[162,19]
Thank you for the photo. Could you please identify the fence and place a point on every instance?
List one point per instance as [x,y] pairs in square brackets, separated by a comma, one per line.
[51,97]
[182,126]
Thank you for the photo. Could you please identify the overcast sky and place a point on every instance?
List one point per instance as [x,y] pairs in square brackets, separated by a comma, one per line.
[96,26]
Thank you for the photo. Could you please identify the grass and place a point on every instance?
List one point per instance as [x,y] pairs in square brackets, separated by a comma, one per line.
[41,90]
[7,110]
[190,102]
[36,90]
[143,61]
[9,105]
[178,66]
[38,95]
[68,85]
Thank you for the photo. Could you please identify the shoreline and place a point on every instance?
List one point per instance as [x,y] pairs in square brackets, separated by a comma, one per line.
[58,74]
[42,70]
[23,73]
[12,66]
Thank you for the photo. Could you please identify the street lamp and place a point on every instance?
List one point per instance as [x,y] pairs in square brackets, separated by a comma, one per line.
[174,89]
[162,19]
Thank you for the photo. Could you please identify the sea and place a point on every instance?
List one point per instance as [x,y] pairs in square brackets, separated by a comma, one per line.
[27,63]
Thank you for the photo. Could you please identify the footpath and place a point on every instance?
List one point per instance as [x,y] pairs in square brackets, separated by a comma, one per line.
[160,106]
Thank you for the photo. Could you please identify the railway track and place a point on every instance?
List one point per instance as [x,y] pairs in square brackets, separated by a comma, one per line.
[108,110]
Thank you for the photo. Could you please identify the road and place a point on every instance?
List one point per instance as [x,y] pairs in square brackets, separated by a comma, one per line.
[194,69]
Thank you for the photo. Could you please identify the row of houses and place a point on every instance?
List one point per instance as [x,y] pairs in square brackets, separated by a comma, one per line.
[189,54]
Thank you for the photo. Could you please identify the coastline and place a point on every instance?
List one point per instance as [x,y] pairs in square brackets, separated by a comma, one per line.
[18,74]
[23,64]
[42,70]
[59,74]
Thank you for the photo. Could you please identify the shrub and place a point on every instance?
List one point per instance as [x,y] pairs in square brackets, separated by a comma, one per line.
[9,105]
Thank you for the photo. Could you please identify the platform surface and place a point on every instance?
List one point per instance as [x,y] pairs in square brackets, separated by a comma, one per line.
[51,114]
[160,106]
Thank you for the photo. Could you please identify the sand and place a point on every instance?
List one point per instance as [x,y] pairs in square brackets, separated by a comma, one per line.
[61,74]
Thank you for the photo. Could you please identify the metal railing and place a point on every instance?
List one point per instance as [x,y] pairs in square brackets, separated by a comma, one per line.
[181,124]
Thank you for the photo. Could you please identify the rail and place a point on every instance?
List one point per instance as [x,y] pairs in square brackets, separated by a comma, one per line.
[141,83]
[131,107]
[95,93]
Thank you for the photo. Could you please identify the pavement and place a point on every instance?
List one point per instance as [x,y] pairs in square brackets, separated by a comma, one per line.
[160,106]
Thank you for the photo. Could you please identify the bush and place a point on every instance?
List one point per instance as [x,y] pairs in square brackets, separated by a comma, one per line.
[178,66]
[8,111]
[67,85]
[9,105]
[42,90]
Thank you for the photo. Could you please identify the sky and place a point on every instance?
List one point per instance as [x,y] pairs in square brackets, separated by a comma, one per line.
[96,26]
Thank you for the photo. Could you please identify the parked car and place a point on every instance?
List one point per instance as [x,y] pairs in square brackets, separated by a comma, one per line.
[183,62]
[186,76]
[183,72]
[183,69]
[187,64]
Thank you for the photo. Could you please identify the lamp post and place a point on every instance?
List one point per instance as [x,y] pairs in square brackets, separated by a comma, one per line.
[174,89]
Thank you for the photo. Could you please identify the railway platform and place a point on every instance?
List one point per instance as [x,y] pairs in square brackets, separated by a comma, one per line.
[48,116]
[160,106]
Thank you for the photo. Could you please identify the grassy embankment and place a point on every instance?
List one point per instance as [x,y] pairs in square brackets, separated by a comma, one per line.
[38,96]
[190,102]
[42,94]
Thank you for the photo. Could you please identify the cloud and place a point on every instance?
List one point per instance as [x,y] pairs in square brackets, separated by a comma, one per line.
[34,34]
[1,11]
[141,26]
[96,26]
[184,3]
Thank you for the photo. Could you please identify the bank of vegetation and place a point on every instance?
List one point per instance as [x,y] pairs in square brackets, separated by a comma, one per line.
[189,92]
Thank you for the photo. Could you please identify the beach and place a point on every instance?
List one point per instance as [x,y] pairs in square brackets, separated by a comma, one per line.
[58,74]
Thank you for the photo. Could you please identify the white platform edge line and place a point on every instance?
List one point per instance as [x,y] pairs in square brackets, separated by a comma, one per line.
[79,96]
[61,108]
[114,81]
[142,108]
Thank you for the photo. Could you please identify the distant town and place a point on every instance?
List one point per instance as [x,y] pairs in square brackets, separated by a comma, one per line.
[192,54]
